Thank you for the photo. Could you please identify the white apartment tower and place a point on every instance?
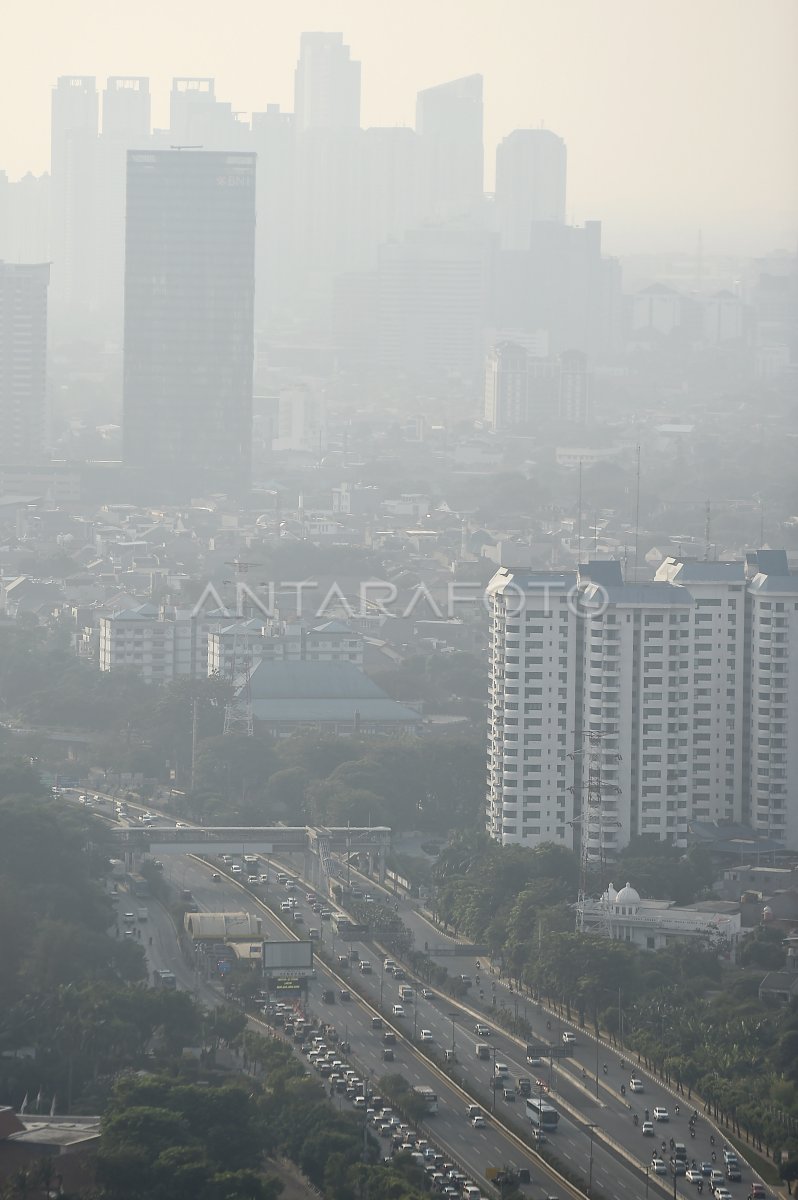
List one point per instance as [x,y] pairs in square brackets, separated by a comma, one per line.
[687,680]
[717,684]
[535,689]
[772,776]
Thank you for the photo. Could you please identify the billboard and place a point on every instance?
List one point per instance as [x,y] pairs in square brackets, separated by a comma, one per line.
[287,956]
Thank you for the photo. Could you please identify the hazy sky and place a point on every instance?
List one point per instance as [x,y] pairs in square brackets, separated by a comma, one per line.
[678,114]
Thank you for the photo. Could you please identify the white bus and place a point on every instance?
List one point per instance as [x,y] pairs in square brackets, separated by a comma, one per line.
[541,1114]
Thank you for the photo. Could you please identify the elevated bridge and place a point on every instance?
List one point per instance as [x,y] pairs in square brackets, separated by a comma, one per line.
[317,842]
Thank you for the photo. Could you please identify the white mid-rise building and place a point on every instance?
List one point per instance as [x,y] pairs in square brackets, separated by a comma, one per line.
[673,699]
[532,706]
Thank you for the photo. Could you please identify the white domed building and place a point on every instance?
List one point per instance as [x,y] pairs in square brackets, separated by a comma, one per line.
[653,924]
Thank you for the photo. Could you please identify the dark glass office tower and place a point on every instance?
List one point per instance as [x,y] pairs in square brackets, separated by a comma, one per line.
[189,294]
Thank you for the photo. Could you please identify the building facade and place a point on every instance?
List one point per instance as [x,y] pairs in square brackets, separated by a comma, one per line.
[682,684]
[23,362]
[189,297]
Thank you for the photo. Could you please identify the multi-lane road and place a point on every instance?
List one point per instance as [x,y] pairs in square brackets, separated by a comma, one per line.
[594,1113]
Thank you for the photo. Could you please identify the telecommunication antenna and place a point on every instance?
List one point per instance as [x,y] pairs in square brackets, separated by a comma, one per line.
[593,819]
[238,718]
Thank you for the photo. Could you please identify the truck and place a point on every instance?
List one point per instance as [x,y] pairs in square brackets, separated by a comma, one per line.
[142,914]
[165,980]
[482,1050]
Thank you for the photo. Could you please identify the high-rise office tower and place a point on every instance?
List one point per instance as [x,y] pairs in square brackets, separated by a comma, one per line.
[433,297]
[23,362]
[449,124]
[327,128]
[73,155]
[189,295]
[530,183]
[326,84]
[125,126]
[200,121]
[388,194]
[274,143]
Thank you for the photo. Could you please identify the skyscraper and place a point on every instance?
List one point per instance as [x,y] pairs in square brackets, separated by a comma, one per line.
[189,295]
[449,124]
[327,128]
[125,126]
[73,154]
[23,362]
[326,84]
[530,183]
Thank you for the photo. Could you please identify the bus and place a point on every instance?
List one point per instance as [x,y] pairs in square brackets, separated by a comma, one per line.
[541,1114]
[137,885]
[428,1096]
[165,980]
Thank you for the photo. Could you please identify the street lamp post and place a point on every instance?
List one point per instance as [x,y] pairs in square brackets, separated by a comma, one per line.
[597,1067]
[493,1082]
[453,1017]
[648,1171]
[591,1126]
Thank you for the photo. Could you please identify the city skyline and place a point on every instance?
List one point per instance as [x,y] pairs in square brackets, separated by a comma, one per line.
[641,165]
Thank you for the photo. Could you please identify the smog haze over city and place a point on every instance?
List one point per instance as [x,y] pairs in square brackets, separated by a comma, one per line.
[399,600]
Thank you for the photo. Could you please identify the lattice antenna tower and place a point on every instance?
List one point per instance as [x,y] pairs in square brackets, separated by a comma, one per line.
[593,819]
[238,711]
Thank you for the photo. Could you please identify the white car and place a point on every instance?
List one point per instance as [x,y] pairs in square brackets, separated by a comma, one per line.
[428,993]
[235,869]
[426,1035]
[658,1166]
[636,1085]
[482,1030]
[398,1010]
[661,1114]
[723,1193]
[478,1122]
[568,1039]
[693,1175]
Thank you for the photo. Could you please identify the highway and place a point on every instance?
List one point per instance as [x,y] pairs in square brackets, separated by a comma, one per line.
[585,1104]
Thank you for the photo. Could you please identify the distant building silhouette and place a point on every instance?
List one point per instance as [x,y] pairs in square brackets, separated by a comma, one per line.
[449,124]
[530,183]
[23,362]
[189,294]
[73,169]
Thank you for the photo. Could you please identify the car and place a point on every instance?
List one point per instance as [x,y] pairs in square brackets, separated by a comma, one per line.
[636,1085]
[428,993]
[648,1129]
[693,1175]
[658,1166]
[568,1038]
[376,1022]
[715,1179]
[368,898]
[482,1030]
[758,1191]
[387,1054]
[264,878]
[733,1172]
[706,1169]
[538,1137]
[129,918]
[661,1114]
[426,1035]
[326,914]
[181,825]
[285,906]
[314,935]
[344,994]
[509,1095]
[252,879]
[298,918]
[310,897]
[398,1010]
[129,933]
[235,869]
[723,1193]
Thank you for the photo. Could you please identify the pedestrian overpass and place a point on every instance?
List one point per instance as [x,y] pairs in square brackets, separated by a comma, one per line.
[319,844]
